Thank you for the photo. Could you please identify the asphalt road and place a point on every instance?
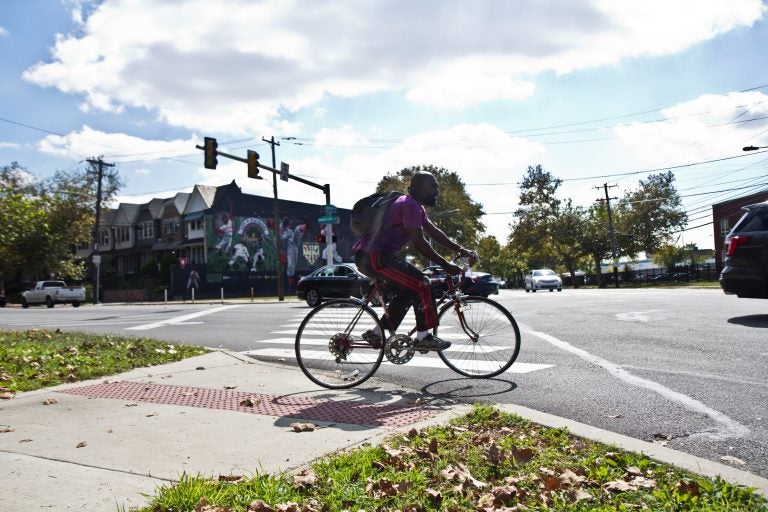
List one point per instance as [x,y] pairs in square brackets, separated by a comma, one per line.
[685,367]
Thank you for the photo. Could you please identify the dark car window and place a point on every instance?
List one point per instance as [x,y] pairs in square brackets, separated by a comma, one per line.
[343,271]
[756,220]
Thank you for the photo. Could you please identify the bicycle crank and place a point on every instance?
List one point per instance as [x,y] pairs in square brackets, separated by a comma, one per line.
[399,349]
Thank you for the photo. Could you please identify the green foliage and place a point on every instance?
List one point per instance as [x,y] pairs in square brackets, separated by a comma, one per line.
[43,220]
[647,217]
[669,256]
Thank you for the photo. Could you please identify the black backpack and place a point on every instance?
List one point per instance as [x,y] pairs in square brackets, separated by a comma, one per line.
[368,213]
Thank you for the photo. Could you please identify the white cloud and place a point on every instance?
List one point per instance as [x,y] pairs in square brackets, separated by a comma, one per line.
[10,145]
[489,167]
[117,147]
[213,70]
[705,128]
[3,31]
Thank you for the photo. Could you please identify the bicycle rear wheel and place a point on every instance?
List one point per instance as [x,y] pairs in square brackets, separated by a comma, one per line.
[330,348]
[488,342]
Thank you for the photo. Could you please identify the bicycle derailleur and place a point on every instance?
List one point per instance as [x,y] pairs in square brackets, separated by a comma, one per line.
[399,349]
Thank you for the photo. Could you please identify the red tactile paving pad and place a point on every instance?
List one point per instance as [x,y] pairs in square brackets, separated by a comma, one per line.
[287,406]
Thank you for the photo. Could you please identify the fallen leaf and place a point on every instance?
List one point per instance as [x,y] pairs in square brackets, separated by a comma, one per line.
[521,455]
[230,387]
[307,478]
[688,487]
[732,460]
[251,401]
[5,429]
[131,405]
[6,396]
[302,427]
[259,506]
[230,478]
[151,414]
[26,441]
[569,478]
[641,481]
[50,401]
[82,444]
[580,494]
[619,486]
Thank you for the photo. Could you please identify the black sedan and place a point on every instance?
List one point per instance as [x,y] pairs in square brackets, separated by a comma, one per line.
[332,281]
[479,283]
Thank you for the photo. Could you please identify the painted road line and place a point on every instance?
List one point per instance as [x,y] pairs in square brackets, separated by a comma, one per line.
[179,319]
[418,361]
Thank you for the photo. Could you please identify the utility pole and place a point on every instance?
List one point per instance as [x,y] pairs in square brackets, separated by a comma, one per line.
[278,234]
[613,232]
[95,257]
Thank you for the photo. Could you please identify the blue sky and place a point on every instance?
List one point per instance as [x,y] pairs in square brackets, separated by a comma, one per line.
[594,91]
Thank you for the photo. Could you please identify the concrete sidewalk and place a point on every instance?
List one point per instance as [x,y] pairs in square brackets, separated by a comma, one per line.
[107,442]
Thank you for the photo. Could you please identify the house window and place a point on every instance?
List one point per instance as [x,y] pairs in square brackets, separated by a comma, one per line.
[122,234]
[147,229]
[170,226]
[104,237]
[196,225]
[196,254]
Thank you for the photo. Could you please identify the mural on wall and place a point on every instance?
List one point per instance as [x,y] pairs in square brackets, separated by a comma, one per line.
[240,236]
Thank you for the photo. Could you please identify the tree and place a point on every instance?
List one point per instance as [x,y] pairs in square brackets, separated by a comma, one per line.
[647,217]
[455,213]
[669,256]
[43,221]
[531,227]
[24,224]
[596,240]
[568,230]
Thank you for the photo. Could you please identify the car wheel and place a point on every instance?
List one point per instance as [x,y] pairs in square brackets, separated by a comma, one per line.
[75,304]
[559,289]
[24,303]
[551,290]
[313,298]
[533,290]
[49,302]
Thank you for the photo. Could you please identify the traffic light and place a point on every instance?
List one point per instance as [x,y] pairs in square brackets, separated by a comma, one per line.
[321,239]
[253,165]
[210,153]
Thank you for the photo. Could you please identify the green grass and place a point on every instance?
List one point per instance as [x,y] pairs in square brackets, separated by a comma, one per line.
[486,460]
[36,359]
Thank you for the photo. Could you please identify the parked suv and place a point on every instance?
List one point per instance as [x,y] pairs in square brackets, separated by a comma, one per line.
[745,270]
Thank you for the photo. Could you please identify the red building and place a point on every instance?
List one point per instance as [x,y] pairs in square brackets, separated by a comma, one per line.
[724,217]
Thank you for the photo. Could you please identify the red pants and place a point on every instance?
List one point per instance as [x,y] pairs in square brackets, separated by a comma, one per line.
[406,282]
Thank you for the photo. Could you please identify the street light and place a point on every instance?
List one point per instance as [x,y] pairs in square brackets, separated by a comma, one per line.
[754,148]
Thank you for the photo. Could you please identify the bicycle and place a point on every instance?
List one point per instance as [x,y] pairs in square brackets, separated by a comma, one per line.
[331,351]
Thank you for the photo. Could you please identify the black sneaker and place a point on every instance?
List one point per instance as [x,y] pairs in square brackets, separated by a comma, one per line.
[432,343]
[371,337]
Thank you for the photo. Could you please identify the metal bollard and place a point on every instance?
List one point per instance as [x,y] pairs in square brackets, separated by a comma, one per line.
[222,295]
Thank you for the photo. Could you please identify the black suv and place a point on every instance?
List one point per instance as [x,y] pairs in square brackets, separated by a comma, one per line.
[745,271]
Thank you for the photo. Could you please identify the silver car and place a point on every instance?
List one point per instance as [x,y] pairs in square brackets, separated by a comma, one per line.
[543,279]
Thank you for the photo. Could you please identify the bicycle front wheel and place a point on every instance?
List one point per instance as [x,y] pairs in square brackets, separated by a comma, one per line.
[485,339]
[330,348]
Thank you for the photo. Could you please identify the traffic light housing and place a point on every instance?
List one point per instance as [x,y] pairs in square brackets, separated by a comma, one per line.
[210,147]
[321,239]
[253,165]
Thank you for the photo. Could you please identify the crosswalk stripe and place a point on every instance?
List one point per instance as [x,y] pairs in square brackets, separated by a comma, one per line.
[419,360]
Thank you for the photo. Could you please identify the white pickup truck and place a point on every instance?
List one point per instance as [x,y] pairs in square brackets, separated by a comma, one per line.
[51,293]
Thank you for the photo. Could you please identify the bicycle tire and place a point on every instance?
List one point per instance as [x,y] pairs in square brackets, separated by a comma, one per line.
[319,340]
[496,347]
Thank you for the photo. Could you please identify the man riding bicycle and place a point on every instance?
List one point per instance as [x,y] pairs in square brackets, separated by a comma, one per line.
[376,256]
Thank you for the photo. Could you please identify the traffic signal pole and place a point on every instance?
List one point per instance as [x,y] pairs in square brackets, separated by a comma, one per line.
[211,152]
[278,241]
